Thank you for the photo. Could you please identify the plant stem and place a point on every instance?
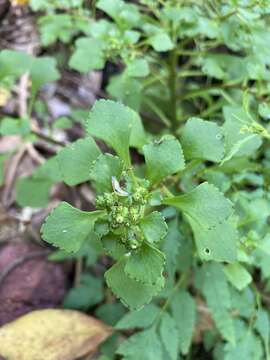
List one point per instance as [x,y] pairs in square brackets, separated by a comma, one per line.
[158,112]
[93,8]
[204,91]
[188,73]
[173,88]
[167,191]
[78,271]
[178,285]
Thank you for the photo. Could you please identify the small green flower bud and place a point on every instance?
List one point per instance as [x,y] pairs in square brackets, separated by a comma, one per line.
[134,244]
[109,199]
[134,214]
[100,202]
[137,197]
[140,194]
[119,219]
[125,211]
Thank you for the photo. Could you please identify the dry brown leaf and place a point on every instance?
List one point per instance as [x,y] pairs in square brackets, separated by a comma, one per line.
[52,335]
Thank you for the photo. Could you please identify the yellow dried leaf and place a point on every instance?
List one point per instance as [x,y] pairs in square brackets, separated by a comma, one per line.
[52,335]
[4,96]
[19,2]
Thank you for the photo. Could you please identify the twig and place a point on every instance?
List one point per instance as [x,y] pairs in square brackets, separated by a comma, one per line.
[48,138]
[178,285]
[34,154]
[23,95]
[10,177]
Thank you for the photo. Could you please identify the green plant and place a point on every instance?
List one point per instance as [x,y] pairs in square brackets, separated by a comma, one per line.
[135,234]
[186,220]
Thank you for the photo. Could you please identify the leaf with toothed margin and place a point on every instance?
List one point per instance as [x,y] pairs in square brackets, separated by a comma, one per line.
[43,70]
[75,160]
[67,227]
[217,294]
[237,275]
[113,246]
[184,313]
[117,125]
[88,55]
[103,169]
[145,264]
[132,293]
[208,213]
[205,205]
[144,345]
[217,243]
[169,335]
[163,158]
[33,192]
[154,227]
[161,42]
[202,140]
[138,319]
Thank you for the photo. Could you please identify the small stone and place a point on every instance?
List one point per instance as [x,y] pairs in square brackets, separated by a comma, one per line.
[36,283]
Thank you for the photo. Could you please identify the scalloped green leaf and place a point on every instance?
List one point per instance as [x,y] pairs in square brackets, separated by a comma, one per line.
[43,70]
[49,170]
[205,205]
[33,192]
[145,264]
[14,63]
[14,126]
[237,275]
[88,55]
[161,41]
[132,293]
[237,142]
[154,227]
[138,68]
[217,243]
[67,227]
[216,291]
[124,13]
[208,213]
[111,7]
[262,325]
[103,169]
[163,158]
[128,90]
[202,140]
[169,335]
[117,125]
[139,319]
[75,160]
[112,245]
[184,313]
[144,345]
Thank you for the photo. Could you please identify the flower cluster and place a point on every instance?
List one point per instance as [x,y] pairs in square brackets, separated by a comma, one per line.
[124,214]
